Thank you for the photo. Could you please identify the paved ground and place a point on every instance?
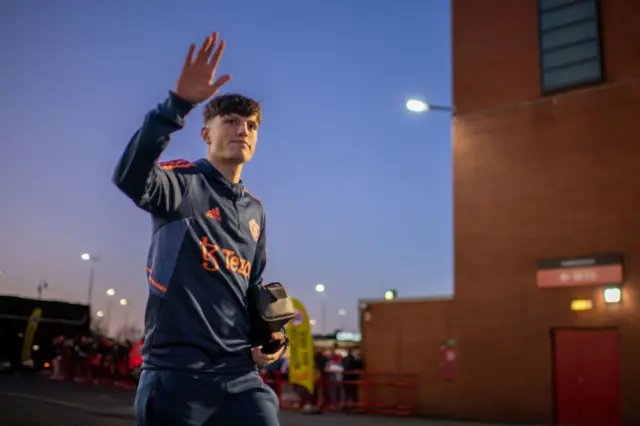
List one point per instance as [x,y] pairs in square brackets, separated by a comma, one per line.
[36,401]
[24,412]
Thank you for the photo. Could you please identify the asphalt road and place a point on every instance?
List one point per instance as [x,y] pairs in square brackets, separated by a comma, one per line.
[36,401]
[17,411]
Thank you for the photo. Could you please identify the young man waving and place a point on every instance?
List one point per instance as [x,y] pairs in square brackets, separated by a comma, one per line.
[208,247]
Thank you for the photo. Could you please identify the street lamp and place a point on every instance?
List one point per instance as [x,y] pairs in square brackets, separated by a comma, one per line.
[417,105]
[323,306]
[124,304]
[93,259]
[342,313]
[99,316]
[43,284]
[110,292]
[390,294]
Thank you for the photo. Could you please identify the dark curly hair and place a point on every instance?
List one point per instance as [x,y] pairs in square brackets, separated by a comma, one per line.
[232,103]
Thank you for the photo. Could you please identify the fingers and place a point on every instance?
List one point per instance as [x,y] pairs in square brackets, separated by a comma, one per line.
[267,358]
[189,60]
[217,54]
[206,48]
[277,336]
[220,81]
[258,357]
[262,359]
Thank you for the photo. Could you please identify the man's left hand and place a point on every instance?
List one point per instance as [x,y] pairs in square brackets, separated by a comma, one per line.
[262,359]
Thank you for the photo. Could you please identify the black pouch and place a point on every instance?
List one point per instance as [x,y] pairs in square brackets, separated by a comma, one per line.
[270,309]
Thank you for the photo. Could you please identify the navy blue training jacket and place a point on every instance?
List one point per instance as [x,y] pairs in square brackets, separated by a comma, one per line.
[208,247]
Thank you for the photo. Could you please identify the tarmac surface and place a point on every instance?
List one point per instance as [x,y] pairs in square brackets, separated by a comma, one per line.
[33,400]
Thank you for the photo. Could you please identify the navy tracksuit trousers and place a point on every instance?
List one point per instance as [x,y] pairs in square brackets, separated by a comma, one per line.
[177,398]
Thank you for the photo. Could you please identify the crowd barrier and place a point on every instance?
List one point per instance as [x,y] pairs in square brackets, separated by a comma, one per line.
[382,393]
[92,371]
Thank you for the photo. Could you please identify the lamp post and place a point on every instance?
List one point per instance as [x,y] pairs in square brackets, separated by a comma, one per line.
[125,306]
[342,313]
[111,292]
[390,294]
[92,260]
[323,306]
[99,320]
[417,105]
[43,284]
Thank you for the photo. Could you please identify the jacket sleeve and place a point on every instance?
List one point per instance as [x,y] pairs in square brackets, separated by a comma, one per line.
[151,187]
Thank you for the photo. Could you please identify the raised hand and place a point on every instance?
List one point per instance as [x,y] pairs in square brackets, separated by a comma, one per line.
[196,83]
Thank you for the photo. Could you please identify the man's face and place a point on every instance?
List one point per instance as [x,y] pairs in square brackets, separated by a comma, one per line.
[231,138]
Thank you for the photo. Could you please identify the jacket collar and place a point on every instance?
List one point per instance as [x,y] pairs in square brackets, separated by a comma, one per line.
[233,191]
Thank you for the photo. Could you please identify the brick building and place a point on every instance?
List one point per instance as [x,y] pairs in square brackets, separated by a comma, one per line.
[546,149]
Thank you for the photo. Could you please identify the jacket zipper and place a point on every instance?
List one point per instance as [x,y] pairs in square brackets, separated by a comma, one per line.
[235,208]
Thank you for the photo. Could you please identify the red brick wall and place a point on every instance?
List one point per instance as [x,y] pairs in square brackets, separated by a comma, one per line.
[537,178]
[405,336]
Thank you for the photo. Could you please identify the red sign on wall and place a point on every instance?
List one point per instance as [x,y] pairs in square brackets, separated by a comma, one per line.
[596,270]
[447,362]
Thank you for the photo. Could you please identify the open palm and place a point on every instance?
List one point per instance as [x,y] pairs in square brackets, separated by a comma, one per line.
[196,83]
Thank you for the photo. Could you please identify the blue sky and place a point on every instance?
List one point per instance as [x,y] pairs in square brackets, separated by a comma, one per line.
[357,190]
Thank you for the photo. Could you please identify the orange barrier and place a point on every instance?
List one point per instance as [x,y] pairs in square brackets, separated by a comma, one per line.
[382,393]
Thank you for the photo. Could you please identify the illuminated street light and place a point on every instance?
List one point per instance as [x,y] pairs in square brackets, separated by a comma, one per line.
[99,314]
[390,294]
[93,259]
[124,303]
[416,105]
[110,292]
[323,306]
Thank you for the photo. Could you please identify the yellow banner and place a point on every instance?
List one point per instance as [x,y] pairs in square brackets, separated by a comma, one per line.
[301,357]
[30,333]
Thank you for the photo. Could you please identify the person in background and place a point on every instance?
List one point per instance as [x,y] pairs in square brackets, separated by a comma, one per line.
[334,371]
[353,367]
[135,359]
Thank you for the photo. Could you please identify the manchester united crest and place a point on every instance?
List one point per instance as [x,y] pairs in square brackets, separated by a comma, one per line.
[255,229]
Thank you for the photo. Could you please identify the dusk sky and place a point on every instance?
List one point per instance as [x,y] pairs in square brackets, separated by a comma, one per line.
[357,189]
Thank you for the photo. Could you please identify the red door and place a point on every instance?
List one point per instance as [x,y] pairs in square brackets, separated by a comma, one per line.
[587,378]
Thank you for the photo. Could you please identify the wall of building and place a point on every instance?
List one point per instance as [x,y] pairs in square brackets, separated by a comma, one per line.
[535,177]
[405,336]
[538,177]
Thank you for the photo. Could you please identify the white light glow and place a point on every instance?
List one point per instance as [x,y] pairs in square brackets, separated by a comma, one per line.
[416,105]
